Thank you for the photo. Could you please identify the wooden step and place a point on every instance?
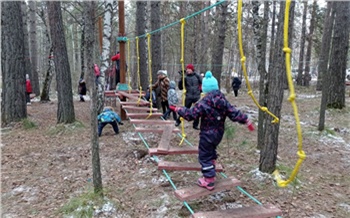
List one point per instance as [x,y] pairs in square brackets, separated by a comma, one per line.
[112,94]
[259,211]
[154,130]
[133,96]
[196,191]
[139,108]
[174,150]
[164,143]
[133,103]
[143,115]
[168,165]
[152,122]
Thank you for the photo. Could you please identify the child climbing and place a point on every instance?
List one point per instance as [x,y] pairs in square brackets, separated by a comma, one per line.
[172,99]
[108,116]
[212,109]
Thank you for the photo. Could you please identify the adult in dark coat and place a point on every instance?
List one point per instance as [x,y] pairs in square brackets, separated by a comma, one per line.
[193,85]
[236,85]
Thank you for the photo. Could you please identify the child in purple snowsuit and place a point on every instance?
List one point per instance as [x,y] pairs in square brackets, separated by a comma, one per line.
[213,109]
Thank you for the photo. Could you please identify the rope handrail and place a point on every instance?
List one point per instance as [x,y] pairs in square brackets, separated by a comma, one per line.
[243,59]
[182,61]
[291,99]
[150,73]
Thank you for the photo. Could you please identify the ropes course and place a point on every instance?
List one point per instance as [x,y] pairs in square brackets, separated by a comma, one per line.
[169,127]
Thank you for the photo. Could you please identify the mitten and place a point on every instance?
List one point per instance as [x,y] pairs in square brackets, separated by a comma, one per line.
[121,123]
[250,125]
[172,107]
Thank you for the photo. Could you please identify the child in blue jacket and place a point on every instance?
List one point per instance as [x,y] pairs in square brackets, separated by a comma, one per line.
[108,116]
[212,109]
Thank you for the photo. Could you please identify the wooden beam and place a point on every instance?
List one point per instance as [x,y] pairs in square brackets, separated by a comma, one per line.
[195,192]
[167,165]
[143,115]
[133,103]
[174,150]
[157,130]
[153,122]
[259,211]
[131,96]
[139,108]
[164,143]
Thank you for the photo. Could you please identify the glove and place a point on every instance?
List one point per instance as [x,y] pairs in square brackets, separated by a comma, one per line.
[250,125]
[173,108]
[121,123]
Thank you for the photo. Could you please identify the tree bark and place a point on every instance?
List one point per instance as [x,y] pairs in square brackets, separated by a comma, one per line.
[299,78]
[13,100]
[65,110]
[156,39]
[140,30]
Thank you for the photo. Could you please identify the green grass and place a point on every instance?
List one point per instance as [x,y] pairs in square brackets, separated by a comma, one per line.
[65,128]
[83,205]
[27,124]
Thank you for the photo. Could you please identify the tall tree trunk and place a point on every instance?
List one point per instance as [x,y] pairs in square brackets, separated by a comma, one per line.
[338,58]
[89,17]
[218,50]
[272,40]
[156,38]
[325,48]
[140,30]
[268,154]
[307,76]
[13,100]
[260,33]
[204,39]
[65,110]
[33,48]
[299,78]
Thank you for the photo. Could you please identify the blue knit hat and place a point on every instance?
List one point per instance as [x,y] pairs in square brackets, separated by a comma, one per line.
[209,83]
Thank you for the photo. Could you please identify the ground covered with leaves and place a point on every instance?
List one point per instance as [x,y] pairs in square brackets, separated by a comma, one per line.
[46,168]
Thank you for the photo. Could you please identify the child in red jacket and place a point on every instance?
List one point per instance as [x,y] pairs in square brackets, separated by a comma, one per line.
[29,89]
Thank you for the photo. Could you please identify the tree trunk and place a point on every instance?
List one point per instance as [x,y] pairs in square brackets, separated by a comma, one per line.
[299,78]
[156,39]
[65,110]
[272,40]
[276,77]
[33,48]
[325,47]
[218,50]
[307,76]
[13,100]
[89,15]
[260,32]
[338,57]
[140,30]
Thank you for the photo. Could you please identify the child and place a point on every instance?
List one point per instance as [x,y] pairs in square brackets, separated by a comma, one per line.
[82,89]
[172,99]
[97,73]
[29,89]
[213,109]
[163,83]
[108,116]
[148,97]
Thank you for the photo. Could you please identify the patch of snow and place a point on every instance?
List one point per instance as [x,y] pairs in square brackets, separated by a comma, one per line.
[228,206]
[259,176]
[345,206]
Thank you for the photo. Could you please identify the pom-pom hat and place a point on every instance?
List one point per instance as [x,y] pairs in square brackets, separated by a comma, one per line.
[162,72]
[190,66]
[209,83]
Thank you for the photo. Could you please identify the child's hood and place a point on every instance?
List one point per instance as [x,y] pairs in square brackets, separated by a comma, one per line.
[216,98]
[172,85]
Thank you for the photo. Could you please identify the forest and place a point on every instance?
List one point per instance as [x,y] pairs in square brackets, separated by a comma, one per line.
[52,143]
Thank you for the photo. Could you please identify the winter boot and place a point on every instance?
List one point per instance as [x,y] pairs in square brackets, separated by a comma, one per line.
[207,183]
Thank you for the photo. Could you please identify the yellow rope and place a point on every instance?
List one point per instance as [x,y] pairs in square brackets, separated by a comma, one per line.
[138,69]
[150,73]
[243,59]
[182,61]
[129,78]
[300,153]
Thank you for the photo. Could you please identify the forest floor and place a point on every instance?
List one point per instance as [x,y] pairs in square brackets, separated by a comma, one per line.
[45,168]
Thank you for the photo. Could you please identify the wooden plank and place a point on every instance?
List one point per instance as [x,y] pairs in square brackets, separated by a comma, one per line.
[112,94]
[139,108]
[133,103]
[259,211]
[195,192]
[174,150]
[154,130]
[131,96]
[168,165]
[153,122]
[164,143]
[144,115]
